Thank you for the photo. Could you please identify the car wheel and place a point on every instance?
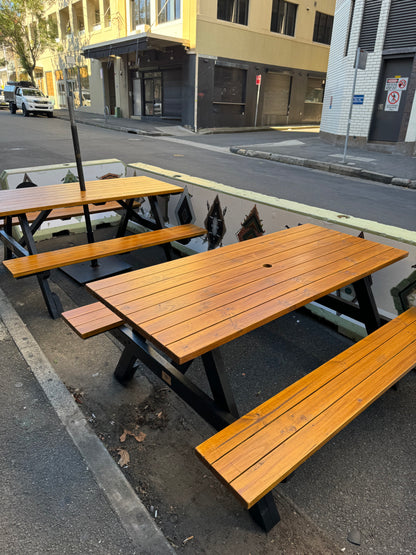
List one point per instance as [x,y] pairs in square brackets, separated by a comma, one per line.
[25,112]
[12,108]
[49,114]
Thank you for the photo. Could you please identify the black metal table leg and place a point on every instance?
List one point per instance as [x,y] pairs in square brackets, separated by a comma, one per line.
[367,304]
[265,512]
[128,208]
[217,378]
[8,229]
[52,300]
[137,348]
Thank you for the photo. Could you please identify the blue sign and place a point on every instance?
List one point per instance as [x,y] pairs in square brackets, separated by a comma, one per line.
[358,99]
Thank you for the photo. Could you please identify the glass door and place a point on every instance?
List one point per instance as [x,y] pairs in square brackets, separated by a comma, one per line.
[152,93]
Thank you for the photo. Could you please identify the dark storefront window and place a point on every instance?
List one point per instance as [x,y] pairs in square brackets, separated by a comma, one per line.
[235,11]
[140,13]
[229,85]
[323,28]
[283,17]
[168,10]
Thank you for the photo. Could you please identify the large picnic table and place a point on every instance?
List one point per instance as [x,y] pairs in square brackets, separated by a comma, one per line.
[21,257]
[192,306]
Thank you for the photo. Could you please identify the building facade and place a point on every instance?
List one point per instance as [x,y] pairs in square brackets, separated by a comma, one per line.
[384,104]
[204,63]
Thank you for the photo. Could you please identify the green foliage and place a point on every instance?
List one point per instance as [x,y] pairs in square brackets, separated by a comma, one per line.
[25,31]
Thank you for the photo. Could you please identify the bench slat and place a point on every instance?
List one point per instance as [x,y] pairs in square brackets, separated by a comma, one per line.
[225,440]
[35,263]
[260,449]
[91,319]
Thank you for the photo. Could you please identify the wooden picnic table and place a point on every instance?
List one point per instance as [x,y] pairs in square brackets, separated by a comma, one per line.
[21,202]
[190,307]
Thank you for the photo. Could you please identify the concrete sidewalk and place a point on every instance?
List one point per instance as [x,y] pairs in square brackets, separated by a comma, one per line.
[295,145]
[61,491]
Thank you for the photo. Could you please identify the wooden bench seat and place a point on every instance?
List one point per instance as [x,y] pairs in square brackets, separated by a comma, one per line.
[260,449]
[72,212]
[36,263]
[91,319]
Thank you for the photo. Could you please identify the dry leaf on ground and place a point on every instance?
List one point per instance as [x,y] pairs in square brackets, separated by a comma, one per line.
[140,437]
[124,457]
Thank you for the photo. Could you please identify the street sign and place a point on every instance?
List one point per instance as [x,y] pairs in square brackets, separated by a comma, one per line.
[393,101]
[258,79]
[358,99]
[402,84]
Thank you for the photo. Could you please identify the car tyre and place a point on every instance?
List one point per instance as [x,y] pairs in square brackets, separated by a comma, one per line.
[25,112]
[12,108]
[49,114]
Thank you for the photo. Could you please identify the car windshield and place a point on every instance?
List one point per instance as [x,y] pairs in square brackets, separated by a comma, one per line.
[32,92]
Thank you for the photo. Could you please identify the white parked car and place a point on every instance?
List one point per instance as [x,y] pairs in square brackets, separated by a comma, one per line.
[26,97]
[33,101]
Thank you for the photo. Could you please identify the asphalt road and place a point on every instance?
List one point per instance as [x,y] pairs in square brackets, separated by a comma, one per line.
[26,142]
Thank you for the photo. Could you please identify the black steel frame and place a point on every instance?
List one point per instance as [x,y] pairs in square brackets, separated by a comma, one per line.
[220,410]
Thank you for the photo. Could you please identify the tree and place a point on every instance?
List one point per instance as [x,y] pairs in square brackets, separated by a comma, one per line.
[25,31]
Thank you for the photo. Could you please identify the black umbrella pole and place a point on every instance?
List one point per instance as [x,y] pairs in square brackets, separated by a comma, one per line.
[77,152]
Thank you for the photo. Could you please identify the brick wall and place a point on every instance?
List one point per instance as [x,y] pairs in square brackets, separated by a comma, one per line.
[340,76]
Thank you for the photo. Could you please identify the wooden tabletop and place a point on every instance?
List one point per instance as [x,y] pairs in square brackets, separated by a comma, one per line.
[32,199]
[191,305]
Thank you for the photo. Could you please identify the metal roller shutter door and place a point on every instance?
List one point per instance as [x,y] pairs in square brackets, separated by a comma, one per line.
[276,98]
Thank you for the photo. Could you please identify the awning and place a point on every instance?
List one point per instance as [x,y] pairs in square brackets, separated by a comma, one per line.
[143,41]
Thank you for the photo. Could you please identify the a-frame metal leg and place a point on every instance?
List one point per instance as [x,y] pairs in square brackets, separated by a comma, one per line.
[217,378]
[52,300]
[368,307]
[265,512]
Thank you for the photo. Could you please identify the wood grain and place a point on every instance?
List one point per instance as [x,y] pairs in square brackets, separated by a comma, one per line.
[35,263]
[32,199]
[260,449]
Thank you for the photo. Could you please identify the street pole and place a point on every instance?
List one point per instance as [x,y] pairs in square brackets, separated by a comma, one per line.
[258,83]
[357,60]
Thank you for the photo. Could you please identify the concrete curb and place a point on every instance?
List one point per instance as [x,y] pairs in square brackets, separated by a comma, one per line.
[326,166]
[121,128]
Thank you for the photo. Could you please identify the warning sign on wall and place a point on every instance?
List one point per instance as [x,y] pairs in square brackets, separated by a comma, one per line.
[392,101]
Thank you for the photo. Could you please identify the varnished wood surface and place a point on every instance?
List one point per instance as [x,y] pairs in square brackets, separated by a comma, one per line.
[33,199]
[35,263]
[252,455]
[190,306]
[71,212]
[91,319]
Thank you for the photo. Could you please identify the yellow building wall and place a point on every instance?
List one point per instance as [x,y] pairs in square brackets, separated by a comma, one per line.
[256,43]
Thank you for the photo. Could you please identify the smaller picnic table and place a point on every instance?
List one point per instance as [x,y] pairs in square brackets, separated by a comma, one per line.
[21,202]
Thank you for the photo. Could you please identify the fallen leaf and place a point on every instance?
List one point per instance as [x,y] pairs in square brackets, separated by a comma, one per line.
[124,457]
[123,436]
[139,437]
[187,540]
[159,414]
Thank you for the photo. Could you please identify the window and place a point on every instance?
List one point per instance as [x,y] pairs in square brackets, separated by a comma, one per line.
[168,10]
[140,13]
[323,28]
[314,91]
[229,85]
[235,11]
[283,17]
